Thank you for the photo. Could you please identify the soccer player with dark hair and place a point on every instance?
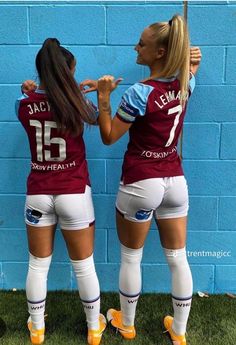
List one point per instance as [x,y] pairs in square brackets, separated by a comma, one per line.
[58,186]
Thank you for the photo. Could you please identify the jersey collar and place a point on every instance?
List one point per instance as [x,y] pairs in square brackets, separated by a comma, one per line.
[165,80]
[40,91]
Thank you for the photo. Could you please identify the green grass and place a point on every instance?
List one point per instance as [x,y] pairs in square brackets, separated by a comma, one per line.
[212,320]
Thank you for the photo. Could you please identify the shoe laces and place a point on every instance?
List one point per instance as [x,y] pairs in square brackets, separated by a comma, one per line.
[175,342]
[124,330]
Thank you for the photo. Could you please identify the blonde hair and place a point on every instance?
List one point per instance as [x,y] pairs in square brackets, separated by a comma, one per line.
[173,36]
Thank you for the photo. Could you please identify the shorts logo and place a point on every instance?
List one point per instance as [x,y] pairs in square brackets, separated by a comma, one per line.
[143,214]
[33,216]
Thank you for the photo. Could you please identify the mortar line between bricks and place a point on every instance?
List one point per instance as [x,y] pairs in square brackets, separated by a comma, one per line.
[214,278]
[105,175]
[224,65]
[98,45]
[28,24]
[72,3]
[107,241]
[220,141]
[106,28]
[217,213]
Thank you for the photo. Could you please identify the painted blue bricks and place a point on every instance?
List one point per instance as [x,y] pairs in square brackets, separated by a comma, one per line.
[102,35]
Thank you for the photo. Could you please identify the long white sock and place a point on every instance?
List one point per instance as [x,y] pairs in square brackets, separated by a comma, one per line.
[89,289]
[36,289]
[130,282]
[182,287]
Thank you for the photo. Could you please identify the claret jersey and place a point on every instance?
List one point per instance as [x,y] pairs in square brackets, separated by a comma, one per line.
[154,109]
[58,160]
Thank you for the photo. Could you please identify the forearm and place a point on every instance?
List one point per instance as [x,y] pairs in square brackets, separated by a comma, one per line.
[195,59]
[111,129]
[105,118]
[194,69]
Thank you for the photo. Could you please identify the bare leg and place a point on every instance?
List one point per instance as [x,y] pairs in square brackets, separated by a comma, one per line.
[79,242]
[172,232]
[40,240]
[131,234]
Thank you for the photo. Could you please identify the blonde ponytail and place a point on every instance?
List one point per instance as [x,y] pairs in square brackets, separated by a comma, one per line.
[173,35]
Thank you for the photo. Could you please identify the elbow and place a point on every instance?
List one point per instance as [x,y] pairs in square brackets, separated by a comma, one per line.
[107,141]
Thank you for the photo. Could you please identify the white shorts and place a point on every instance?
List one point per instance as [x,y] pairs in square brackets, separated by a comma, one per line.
[70,211]
[162,197]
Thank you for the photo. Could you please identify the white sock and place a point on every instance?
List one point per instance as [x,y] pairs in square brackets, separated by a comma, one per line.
[36,289]
[130,282]
[182,288]
[89,289]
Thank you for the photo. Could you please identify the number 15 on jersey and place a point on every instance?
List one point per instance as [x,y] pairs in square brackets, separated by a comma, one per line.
[46,140]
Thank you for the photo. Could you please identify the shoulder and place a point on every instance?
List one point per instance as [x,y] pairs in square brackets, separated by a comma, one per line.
[19,100]
[138,91]
[134,102]
[22,97]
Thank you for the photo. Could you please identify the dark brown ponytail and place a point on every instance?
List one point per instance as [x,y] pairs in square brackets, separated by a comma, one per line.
[70,108]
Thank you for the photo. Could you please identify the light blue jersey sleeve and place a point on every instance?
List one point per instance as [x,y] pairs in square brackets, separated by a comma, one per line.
[17,103]
[134,102]
[192,83]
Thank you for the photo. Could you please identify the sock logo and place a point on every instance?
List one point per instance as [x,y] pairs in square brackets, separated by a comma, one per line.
[133,300]
[88,306]
[37,307]
[183,304]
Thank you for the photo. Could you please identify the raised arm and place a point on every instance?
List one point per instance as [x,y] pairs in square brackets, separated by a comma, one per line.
[110,129]
[195,59]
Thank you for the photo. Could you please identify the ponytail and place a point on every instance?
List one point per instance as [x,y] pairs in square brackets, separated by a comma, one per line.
[70,109]
[173,35]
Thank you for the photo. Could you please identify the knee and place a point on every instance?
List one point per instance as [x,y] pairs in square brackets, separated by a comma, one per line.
[131,256]
[84,267]
[39,264]
[176,257]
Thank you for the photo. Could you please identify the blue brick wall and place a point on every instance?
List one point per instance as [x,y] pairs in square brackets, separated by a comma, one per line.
[102,35]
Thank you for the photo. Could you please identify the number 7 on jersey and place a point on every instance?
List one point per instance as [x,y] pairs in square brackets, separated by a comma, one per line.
[178,110]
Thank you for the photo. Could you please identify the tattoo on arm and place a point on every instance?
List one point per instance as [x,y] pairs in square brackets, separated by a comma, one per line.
[105,106]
